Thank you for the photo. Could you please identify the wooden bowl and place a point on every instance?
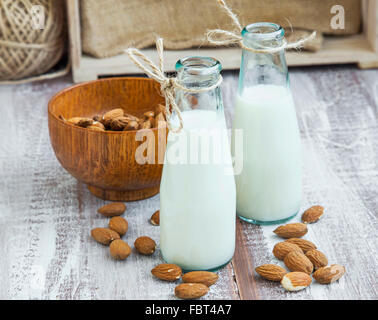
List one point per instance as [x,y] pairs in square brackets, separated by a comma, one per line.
[105,161]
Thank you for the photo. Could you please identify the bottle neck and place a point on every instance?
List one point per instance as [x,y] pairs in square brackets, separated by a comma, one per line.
[198,73]
[267,67]
[263,35]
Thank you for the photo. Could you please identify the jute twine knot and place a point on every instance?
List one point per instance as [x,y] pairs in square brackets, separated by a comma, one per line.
[167,84]
[223,37]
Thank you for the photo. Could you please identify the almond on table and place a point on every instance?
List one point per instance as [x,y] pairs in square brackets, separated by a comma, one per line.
[305,245]
[291,230]
[297,261]
[317,258]
[329,274]
[271,272]
[119,249]
[167,272]
[191,290]
[205,277]
[312,214]
[281,249]
[295,281]
[155,218]
[145,245]
[112,209]
[119,225]
[104,235]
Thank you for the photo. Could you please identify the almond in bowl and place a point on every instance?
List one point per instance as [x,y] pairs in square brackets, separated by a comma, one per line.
[103,159]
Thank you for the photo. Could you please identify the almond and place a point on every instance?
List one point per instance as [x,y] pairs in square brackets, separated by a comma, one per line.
[205,277]
[329,274]
[167,272]
[98,124]
[119,225]
[81,121]
[155,218]
[145,245]
[297,261]
[119,249]
[98,118]
[131,117]
[271,272]
[305,245]
[112,209]
[191,290]
[104,235]
[114,113]
[295,281]
[118,124]
[149,114]
[131,125]
[291,230]
[281,249]
[312,214]
[317,258]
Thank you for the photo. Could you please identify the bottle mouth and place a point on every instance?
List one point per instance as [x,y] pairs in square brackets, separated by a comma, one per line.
[263,31]
[198,65]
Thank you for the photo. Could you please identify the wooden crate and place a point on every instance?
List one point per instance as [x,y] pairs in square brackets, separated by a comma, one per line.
[361,49]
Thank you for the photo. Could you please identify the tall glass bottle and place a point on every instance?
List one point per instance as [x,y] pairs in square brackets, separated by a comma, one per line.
[197,191]
[269,187]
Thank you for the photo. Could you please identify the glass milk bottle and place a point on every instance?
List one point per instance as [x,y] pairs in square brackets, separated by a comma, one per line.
[269,186]
[197,191]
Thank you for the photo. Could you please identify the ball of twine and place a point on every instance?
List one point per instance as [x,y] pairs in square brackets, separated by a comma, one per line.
[27,49]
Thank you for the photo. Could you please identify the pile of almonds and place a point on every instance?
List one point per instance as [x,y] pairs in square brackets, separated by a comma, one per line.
[118,120]
[195,283]
[117,227]
[300,256]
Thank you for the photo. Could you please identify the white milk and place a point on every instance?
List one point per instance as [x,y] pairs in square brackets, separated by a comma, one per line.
[269,187]
[198,201]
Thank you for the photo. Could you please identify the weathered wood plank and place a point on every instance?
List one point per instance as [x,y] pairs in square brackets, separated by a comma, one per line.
[337,114]
[46,215]
[46,218]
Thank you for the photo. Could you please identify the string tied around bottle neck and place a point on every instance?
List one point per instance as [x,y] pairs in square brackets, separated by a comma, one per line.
[221,37]
[167,84]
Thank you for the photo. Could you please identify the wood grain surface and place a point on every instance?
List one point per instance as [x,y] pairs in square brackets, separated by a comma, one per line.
[46,215]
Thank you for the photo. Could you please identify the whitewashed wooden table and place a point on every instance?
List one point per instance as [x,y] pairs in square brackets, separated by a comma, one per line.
[46,215]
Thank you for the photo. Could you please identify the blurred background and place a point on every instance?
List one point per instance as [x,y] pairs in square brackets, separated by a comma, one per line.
[42,39]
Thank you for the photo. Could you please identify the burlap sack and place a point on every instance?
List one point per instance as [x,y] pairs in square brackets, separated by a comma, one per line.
[109,26]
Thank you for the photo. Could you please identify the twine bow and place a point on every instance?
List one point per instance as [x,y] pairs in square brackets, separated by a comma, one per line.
[167,85]
[222,37]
